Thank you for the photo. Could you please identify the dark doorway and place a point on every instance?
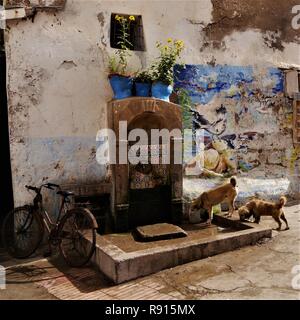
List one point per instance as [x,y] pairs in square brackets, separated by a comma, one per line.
[6,192]
[150,206]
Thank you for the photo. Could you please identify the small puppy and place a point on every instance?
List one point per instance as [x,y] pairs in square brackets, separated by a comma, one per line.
[258,208]
[226,193]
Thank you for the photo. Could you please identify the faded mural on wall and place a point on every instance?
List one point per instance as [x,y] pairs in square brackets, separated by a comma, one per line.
[245,118]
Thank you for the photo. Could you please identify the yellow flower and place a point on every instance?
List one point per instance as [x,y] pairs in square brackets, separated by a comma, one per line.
[132,18]
[170,40]
[117,17]
[179,43]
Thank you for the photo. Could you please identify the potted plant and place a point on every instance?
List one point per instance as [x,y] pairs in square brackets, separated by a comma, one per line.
[143,82]
[162,70]
[120,81]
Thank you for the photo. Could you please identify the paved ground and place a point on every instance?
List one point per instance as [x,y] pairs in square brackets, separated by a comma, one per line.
[262,271]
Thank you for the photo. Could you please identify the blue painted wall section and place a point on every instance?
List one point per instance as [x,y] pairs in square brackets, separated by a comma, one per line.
[204,82]
[245,117]
[63,160]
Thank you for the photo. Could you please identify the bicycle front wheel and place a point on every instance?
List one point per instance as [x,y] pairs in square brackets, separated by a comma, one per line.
[77,235]
[22,232]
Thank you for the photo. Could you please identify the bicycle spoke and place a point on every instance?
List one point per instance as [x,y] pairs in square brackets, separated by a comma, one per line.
[77,228]
[21,232]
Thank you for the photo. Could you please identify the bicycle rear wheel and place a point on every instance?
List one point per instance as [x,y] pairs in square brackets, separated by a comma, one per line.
[22,232]
[77,235]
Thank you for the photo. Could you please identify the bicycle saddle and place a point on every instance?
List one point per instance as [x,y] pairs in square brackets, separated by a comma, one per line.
[65,194]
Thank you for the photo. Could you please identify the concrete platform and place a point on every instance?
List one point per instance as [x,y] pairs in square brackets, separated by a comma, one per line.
[121,258]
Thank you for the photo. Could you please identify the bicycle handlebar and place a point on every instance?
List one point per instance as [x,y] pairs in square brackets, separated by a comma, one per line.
[49,185]
[32,188]
[53,185]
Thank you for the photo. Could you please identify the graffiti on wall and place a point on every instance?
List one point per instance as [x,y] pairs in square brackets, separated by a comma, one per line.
[243,113]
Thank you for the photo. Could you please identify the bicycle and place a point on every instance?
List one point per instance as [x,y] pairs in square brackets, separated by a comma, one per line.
[24,227]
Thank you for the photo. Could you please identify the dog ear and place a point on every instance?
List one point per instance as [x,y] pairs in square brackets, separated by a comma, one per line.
[201,202]
[196,204]
[233,181]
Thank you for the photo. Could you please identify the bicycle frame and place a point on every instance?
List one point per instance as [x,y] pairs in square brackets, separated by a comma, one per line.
[49,224]
[68,231]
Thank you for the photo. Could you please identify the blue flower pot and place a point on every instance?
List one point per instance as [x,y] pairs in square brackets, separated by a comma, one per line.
[142,89]
[161,91]
[122,86]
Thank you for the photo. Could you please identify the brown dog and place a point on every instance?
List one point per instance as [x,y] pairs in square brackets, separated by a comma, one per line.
[258,208]
[226,193]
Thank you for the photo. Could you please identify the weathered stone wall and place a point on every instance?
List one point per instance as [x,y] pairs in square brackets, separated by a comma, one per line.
[271,18]
[59,4]
[57,80]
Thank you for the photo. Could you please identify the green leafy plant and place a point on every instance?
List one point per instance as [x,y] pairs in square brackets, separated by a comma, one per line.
[144,76]
[113,65]
[162,69]
[185,101]
[118,62]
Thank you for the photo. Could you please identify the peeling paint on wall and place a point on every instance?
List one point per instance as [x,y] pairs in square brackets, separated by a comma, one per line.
[272,18]
[250,133]
[57,4]
[56,159]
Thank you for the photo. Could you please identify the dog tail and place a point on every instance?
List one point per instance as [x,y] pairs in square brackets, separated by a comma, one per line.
[282,202]
[233,181]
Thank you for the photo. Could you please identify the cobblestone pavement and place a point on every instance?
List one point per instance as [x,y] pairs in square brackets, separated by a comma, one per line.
[262,271]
